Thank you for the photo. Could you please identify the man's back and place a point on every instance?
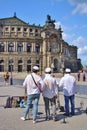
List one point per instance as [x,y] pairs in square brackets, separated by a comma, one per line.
[68,83]
[51,86]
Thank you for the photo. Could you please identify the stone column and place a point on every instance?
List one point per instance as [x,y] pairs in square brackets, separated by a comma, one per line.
[24,46]
[5,49]
[44,55]
[16,46]
[16,64]
[6,64]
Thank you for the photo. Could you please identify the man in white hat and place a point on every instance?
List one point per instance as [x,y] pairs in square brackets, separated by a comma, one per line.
[49,93]
[68,82]
[33,93]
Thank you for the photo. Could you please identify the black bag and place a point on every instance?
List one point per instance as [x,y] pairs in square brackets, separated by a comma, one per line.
[62,109]
[8,102]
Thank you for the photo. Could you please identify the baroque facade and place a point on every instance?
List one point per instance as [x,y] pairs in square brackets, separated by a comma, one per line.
[23,45]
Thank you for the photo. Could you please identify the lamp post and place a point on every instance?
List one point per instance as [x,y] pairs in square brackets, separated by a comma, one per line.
[11,78]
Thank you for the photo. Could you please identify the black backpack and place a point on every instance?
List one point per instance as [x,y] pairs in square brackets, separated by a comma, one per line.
[8,102]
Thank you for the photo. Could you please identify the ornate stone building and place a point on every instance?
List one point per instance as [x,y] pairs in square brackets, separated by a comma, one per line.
[23,45]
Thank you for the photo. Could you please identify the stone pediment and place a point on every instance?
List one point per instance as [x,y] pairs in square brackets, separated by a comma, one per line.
[12,21]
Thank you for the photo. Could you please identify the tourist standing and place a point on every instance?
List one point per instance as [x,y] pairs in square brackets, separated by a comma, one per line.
[6,78]
[33,92]
[68,82]
[78,74]
[50,93]
[84,76]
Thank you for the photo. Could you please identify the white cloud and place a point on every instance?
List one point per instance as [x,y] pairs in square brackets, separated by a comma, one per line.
[57,24]
[81,6]
[67,36]
[82,50]
[84,60]
[77,1]
[80,42]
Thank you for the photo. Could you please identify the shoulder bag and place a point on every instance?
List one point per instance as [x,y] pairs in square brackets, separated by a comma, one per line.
[38,84]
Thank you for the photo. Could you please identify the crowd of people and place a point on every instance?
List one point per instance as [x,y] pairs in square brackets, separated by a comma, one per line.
[35,84]
[81,76]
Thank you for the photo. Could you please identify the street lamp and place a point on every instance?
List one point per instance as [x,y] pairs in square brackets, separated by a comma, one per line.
[11,78]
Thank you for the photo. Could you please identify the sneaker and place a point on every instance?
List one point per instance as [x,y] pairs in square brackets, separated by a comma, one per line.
[47,118]
[65,114]
[55,119]
[34,121]
[22,118]
[72,114]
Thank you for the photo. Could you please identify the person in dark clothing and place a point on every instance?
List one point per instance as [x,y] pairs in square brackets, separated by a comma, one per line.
[78,76]
[84,76]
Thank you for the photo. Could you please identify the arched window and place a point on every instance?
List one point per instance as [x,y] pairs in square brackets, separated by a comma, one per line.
[1,65]
[19,61]
[37,48]
[10,47]
[29,62]
[28,47]
[19,65]
[1,47]
[37,62]
[28,65]
[55,65]
[10,67]
[20,47]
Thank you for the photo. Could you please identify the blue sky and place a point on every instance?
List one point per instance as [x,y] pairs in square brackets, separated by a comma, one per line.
[70,14]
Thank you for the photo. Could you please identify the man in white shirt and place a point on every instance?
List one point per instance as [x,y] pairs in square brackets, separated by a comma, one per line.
[50,92]
[33,92]
[68,82]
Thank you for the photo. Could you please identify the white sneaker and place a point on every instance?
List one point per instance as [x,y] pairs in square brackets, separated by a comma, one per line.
[34,121]
[22,118]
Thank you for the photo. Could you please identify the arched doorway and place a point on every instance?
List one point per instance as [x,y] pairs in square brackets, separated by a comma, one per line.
[29,65]
[1,65]
[11,65]
[19,65]
[55,70]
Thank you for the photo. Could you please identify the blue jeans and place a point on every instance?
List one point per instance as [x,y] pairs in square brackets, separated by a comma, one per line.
[71,99]
[35,99]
